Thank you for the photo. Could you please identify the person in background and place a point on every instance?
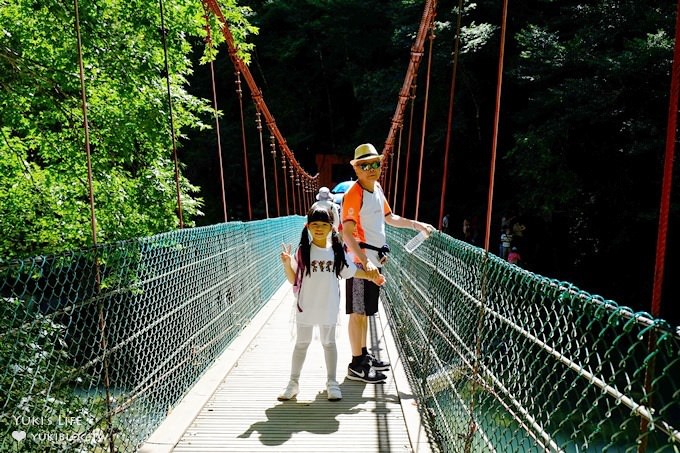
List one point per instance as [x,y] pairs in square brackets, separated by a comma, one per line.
[514,257]
[506,242]
[325,199]
[365,212]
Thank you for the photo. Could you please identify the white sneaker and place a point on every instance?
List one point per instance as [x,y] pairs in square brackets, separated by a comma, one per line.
[289,392]
[333,391]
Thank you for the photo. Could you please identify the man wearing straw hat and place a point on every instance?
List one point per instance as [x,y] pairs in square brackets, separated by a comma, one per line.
[365,212]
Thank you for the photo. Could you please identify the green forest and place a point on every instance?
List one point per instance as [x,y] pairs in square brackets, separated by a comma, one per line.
[583,120]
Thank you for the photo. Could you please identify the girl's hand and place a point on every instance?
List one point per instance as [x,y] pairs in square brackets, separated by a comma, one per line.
[285,254]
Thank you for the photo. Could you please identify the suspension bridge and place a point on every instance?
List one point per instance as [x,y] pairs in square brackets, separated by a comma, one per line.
[180,341]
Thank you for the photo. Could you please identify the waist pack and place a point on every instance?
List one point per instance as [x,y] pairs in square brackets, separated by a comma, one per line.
[382,251]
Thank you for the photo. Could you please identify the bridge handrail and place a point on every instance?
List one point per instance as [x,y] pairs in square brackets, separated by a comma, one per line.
[112,359]
[559,367]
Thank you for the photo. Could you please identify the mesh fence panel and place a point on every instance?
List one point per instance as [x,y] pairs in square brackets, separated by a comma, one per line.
[95,356]
[505,360]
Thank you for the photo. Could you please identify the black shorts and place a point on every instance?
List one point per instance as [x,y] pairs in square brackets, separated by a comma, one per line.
[361,296]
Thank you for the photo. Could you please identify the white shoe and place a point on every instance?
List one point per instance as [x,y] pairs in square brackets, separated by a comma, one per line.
[333,391]
[289,392]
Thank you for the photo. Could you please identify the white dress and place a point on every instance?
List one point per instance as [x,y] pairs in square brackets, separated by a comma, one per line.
[319,296]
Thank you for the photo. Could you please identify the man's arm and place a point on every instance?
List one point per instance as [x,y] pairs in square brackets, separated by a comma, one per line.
[402,222]
[348,227]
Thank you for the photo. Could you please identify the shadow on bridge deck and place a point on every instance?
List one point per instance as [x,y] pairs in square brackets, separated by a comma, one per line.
[233,408]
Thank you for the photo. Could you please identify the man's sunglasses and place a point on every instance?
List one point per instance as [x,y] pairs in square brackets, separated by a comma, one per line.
[370,166]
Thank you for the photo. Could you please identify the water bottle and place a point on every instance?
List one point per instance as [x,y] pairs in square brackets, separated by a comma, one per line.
[415,242]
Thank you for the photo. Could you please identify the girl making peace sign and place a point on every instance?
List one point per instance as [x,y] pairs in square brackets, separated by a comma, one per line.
[315,273]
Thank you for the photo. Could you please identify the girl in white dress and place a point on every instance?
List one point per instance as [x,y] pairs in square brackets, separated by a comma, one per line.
[315,273]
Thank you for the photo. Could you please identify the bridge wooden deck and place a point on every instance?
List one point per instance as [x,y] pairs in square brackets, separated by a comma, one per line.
[233,408]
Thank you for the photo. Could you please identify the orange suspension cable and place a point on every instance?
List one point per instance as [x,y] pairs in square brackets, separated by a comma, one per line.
[164,33]
[447,146]
[664,211]
[667,183]
[422,137]
[239,92]
[208,40]
[258,121]
[255,92]
[668,172]
[272,145]
[426,21]
[499,84]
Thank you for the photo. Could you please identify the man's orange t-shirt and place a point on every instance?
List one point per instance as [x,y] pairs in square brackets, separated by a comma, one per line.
[367,210]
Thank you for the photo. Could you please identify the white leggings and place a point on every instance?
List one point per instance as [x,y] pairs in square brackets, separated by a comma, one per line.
[304,338]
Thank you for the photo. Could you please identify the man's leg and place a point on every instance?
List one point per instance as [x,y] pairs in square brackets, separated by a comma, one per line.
[359,369]
[358,329]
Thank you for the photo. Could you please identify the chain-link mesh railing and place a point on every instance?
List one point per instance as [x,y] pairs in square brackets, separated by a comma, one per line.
[505,360]
[97,346]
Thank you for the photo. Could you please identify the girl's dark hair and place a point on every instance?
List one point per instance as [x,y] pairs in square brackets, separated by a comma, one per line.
[321,214]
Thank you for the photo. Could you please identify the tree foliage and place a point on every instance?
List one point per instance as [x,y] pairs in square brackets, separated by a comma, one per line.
[582,117]
[44,195]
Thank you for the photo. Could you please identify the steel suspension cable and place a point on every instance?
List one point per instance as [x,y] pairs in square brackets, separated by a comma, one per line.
[272,145]
[208,40]
[408,150]
[486,260]
[447,146]
[293,195]
[390,179]
[285,182]
[301,192]
[396,170]
[86,127]
[164,33]
[423,130]
[103,342]
[239,92]
[298,195]
[258,121]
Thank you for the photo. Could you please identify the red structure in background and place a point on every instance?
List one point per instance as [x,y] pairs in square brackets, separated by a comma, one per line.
[328,165]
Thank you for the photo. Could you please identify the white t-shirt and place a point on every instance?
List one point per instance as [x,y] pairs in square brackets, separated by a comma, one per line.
[319,296]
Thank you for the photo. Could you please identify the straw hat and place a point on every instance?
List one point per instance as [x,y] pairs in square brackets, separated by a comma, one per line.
[365,152]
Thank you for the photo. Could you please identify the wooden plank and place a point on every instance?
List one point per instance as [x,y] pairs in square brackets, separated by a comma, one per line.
[243,413]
